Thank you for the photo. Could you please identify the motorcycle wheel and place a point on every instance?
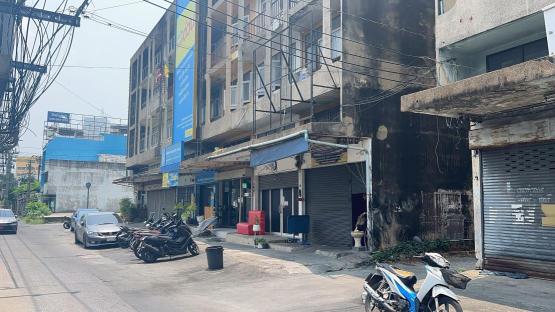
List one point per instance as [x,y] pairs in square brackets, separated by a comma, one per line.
[148,256]
[66,225]
[138,252]
[445,304]
[193,249]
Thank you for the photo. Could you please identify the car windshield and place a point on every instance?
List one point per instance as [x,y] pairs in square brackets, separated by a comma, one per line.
[6,213]
[103,219]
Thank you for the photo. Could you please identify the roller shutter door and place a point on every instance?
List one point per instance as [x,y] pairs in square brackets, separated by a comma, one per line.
[518,205]
[278,181]
[159,200]
[328,202]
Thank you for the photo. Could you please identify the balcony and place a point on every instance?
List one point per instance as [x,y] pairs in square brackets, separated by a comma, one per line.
[523,86]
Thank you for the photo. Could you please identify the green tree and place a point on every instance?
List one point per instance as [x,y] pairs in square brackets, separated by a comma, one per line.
[128,209]
[35,210]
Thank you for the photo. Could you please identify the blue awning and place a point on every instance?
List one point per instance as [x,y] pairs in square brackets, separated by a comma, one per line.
[279,151]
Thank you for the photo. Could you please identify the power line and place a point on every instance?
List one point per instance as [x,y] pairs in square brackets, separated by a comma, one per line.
[83,99]
[299,40]
[330,35]
[276,49]
[116,6]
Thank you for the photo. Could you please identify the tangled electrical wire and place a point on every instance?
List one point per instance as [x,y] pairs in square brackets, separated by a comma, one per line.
[39,43]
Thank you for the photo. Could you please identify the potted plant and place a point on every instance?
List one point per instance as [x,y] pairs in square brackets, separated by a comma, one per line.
[256,225]
[261,243]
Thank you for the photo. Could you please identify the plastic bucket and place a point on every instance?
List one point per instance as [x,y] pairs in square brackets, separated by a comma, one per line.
[215,256]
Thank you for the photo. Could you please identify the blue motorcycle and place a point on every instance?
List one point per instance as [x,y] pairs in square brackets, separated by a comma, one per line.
[392,290]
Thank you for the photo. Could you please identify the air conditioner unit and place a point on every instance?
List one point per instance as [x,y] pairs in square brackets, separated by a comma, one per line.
[260,93]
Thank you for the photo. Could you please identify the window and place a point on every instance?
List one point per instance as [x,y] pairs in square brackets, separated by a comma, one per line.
[296,53]
[132,109]
[246,91]
[276,72]
[158,57]
[146,64]
[216,101]
[134,73]
[142,137]
[131,143]
[235,34]
[517,55]
[171,41]
[234,96]
[144,97]
[336,40]
[312,42]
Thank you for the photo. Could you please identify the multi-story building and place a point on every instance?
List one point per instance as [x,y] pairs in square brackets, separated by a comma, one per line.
[297,113]
[27,167]
[495,71]
[151,94]
[81,158]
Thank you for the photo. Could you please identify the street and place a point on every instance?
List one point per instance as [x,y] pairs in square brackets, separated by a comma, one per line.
[43,270]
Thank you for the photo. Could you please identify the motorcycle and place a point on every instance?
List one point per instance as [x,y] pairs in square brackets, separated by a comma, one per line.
[67,223]
[180,242]
[127,236]
[392,290]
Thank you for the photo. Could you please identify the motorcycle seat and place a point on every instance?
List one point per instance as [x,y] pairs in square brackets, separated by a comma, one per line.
[408,278]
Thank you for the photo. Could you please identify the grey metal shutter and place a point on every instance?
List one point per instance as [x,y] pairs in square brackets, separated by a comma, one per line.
[516,182]
[328,203]
[278,181]
[159,200]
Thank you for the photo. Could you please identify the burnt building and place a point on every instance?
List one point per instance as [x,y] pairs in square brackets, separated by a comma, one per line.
[495,71]
[300,115]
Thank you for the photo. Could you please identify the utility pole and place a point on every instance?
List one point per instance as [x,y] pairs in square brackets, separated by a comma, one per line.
[88,186]
[29,176]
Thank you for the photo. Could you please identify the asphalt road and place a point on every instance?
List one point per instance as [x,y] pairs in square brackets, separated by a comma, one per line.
[41,269]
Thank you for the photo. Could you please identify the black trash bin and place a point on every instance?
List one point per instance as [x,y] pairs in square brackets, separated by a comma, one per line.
[215,256]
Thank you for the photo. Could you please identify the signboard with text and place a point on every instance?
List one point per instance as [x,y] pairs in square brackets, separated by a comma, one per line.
[58,117]
[184,81]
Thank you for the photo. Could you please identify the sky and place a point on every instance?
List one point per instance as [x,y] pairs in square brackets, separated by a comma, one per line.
[94,91]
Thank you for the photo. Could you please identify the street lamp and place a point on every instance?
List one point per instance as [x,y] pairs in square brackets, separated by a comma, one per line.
[88,186]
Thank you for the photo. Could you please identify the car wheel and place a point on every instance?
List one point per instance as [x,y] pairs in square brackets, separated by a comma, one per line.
[85,242]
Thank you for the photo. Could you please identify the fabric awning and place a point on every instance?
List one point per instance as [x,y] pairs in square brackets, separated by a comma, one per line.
[278,151]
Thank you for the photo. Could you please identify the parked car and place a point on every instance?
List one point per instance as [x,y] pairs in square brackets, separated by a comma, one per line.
[98,229]
[78,214]
[8,221]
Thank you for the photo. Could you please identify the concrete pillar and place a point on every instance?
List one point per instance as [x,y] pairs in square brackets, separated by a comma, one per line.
[254,192]
[477,203]
[326,28]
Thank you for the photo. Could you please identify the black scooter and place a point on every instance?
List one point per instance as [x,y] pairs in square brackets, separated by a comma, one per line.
[179,243]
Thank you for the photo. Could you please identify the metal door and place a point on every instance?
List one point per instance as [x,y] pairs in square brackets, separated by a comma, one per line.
[518,205]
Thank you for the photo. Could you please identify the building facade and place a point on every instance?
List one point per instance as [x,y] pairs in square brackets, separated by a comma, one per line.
[27,167]
[495,72]
[297,113]
[292,108]
[151,92]
[79,150]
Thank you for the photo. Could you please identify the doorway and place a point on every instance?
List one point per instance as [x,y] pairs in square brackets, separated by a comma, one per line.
[278,205]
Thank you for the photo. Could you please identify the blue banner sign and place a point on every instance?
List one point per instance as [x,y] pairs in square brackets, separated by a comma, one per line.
[171,158]
[58,117]
[184,81]
[173,179]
